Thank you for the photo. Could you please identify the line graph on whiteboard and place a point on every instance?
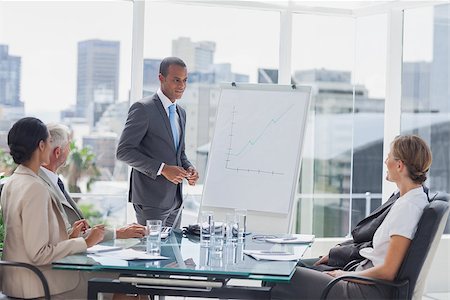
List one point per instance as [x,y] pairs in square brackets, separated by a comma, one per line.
[236,152]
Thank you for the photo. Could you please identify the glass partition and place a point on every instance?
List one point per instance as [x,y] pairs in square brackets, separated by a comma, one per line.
[343,59]
[69,62]
[425,86]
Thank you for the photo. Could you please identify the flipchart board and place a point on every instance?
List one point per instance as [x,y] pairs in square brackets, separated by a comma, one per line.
[256,152]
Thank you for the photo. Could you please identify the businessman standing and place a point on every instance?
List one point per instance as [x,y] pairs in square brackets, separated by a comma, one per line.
[152,143]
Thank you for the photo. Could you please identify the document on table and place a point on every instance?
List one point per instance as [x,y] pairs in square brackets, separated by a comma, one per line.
[272,255]
[102,248]
[293,239]
[130,254]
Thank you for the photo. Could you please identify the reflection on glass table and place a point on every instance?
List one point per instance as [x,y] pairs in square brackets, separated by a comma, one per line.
[185,256]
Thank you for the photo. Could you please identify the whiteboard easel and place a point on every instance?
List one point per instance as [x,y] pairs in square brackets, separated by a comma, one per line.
[256,153]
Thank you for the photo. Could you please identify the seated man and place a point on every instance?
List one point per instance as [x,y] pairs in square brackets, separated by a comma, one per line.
[70,211]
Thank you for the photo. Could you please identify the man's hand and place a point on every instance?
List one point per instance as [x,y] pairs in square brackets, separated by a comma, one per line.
[95,236]
[131,231]
[174,174]
[322,261]
[78,228]
[192,176]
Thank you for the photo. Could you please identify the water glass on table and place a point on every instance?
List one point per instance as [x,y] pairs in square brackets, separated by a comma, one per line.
[206,228]
[241,220]
[231,227]
[219,236]
[154,237]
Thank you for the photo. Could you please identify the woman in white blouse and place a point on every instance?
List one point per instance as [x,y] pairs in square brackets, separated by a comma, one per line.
[407,164]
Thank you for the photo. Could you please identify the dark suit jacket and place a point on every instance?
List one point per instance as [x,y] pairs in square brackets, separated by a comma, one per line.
[145,143]
[362,235]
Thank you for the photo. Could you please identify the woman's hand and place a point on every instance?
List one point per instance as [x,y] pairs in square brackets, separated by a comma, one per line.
[95,236]
[322,261]
[337,273]
[78,227]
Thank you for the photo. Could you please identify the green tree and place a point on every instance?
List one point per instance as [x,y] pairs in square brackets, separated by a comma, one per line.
[80,163]
[7,165]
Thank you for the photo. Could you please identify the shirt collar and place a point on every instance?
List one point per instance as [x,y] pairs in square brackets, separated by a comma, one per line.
[52,176]
[412,193]
[165,101]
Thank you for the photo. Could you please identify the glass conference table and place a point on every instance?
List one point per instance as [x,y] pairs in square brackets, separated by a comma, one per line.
[190,270]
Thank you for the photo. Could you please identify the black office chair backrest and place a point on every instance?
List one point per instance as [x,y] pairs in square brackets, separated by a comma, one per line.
[420,254]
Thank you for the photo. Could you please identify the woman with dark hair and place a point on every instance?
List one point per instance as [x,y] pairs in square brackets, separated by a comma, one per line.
[35,231]
[407,165]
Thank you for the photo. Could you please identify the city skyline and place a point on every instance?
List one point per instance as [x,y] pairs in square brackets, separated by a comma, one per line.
[49,60]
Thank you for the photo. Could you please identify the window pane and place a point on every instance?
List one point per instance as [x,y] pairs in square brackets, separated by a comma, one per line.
[425,86]
[345,66]
[225,52]
[70,62]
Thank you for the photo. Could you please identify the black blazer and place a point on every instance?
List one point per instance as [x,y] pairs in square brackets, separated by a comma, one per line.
[362,234]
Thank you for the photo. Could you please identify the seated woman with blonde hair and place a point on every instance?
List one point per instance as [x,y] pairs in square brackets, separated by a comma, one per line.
[407,164]
[35,231]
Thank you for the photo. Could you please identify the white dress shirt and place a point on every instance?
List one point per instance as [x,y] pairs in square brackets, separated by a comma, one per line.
[401,220]
[52,176]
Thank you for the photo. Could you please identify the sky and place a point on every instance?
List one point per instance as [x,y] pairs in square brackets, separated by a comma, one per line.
[45,34]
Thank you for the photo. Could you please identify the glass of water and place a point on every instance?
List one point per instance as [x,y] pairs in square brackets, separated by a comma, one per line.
[231,227]
[241,220]
[154,237]
[206,228]
[219,236]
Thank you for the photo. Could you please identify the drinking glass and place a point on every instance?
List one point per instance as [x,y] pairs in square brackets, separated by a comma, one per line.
[241,220]
[154,237]
[206,227]
[231,226]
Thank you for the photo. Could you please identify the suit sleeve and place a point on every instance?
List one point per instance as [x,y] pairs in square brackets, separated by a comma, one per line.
[36,229]
[135,129]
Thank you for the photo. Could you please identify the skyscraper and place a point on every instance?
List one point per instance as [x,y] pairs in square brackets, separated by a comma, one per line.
[9,78]
[97,75]
[440,67]
[151,71]
[198,56]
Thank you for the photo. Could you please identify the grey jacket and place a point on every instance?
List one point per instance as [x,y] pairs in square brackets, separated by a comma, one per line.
[145,143]
[69,209]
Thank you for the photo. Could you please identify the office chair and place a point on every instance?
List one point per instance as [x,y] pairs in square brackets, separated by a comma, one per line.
[31,268]
[411,277]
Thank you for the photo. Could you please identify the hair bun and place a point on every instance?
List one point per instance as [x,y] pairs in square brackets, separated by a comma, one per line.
[19,153]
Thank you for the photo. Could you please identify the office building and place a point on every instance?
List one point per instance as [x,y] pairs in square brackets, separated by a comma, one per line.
[10,75]
[416,78]
[223,73]
[198,56]
[103,144]
[200,102]
[440,67]
[151,72]
[97,75]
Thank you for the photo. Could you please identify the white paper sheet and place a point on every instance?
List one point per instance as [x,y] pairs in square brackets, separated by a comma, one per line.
[272,255]
[293,239]
[130,254]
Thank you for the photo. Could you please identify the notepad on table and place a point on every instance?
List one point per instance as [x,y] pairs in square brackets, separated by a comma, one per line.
[272,255]
[102,248]
[293,239]
[130,254]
